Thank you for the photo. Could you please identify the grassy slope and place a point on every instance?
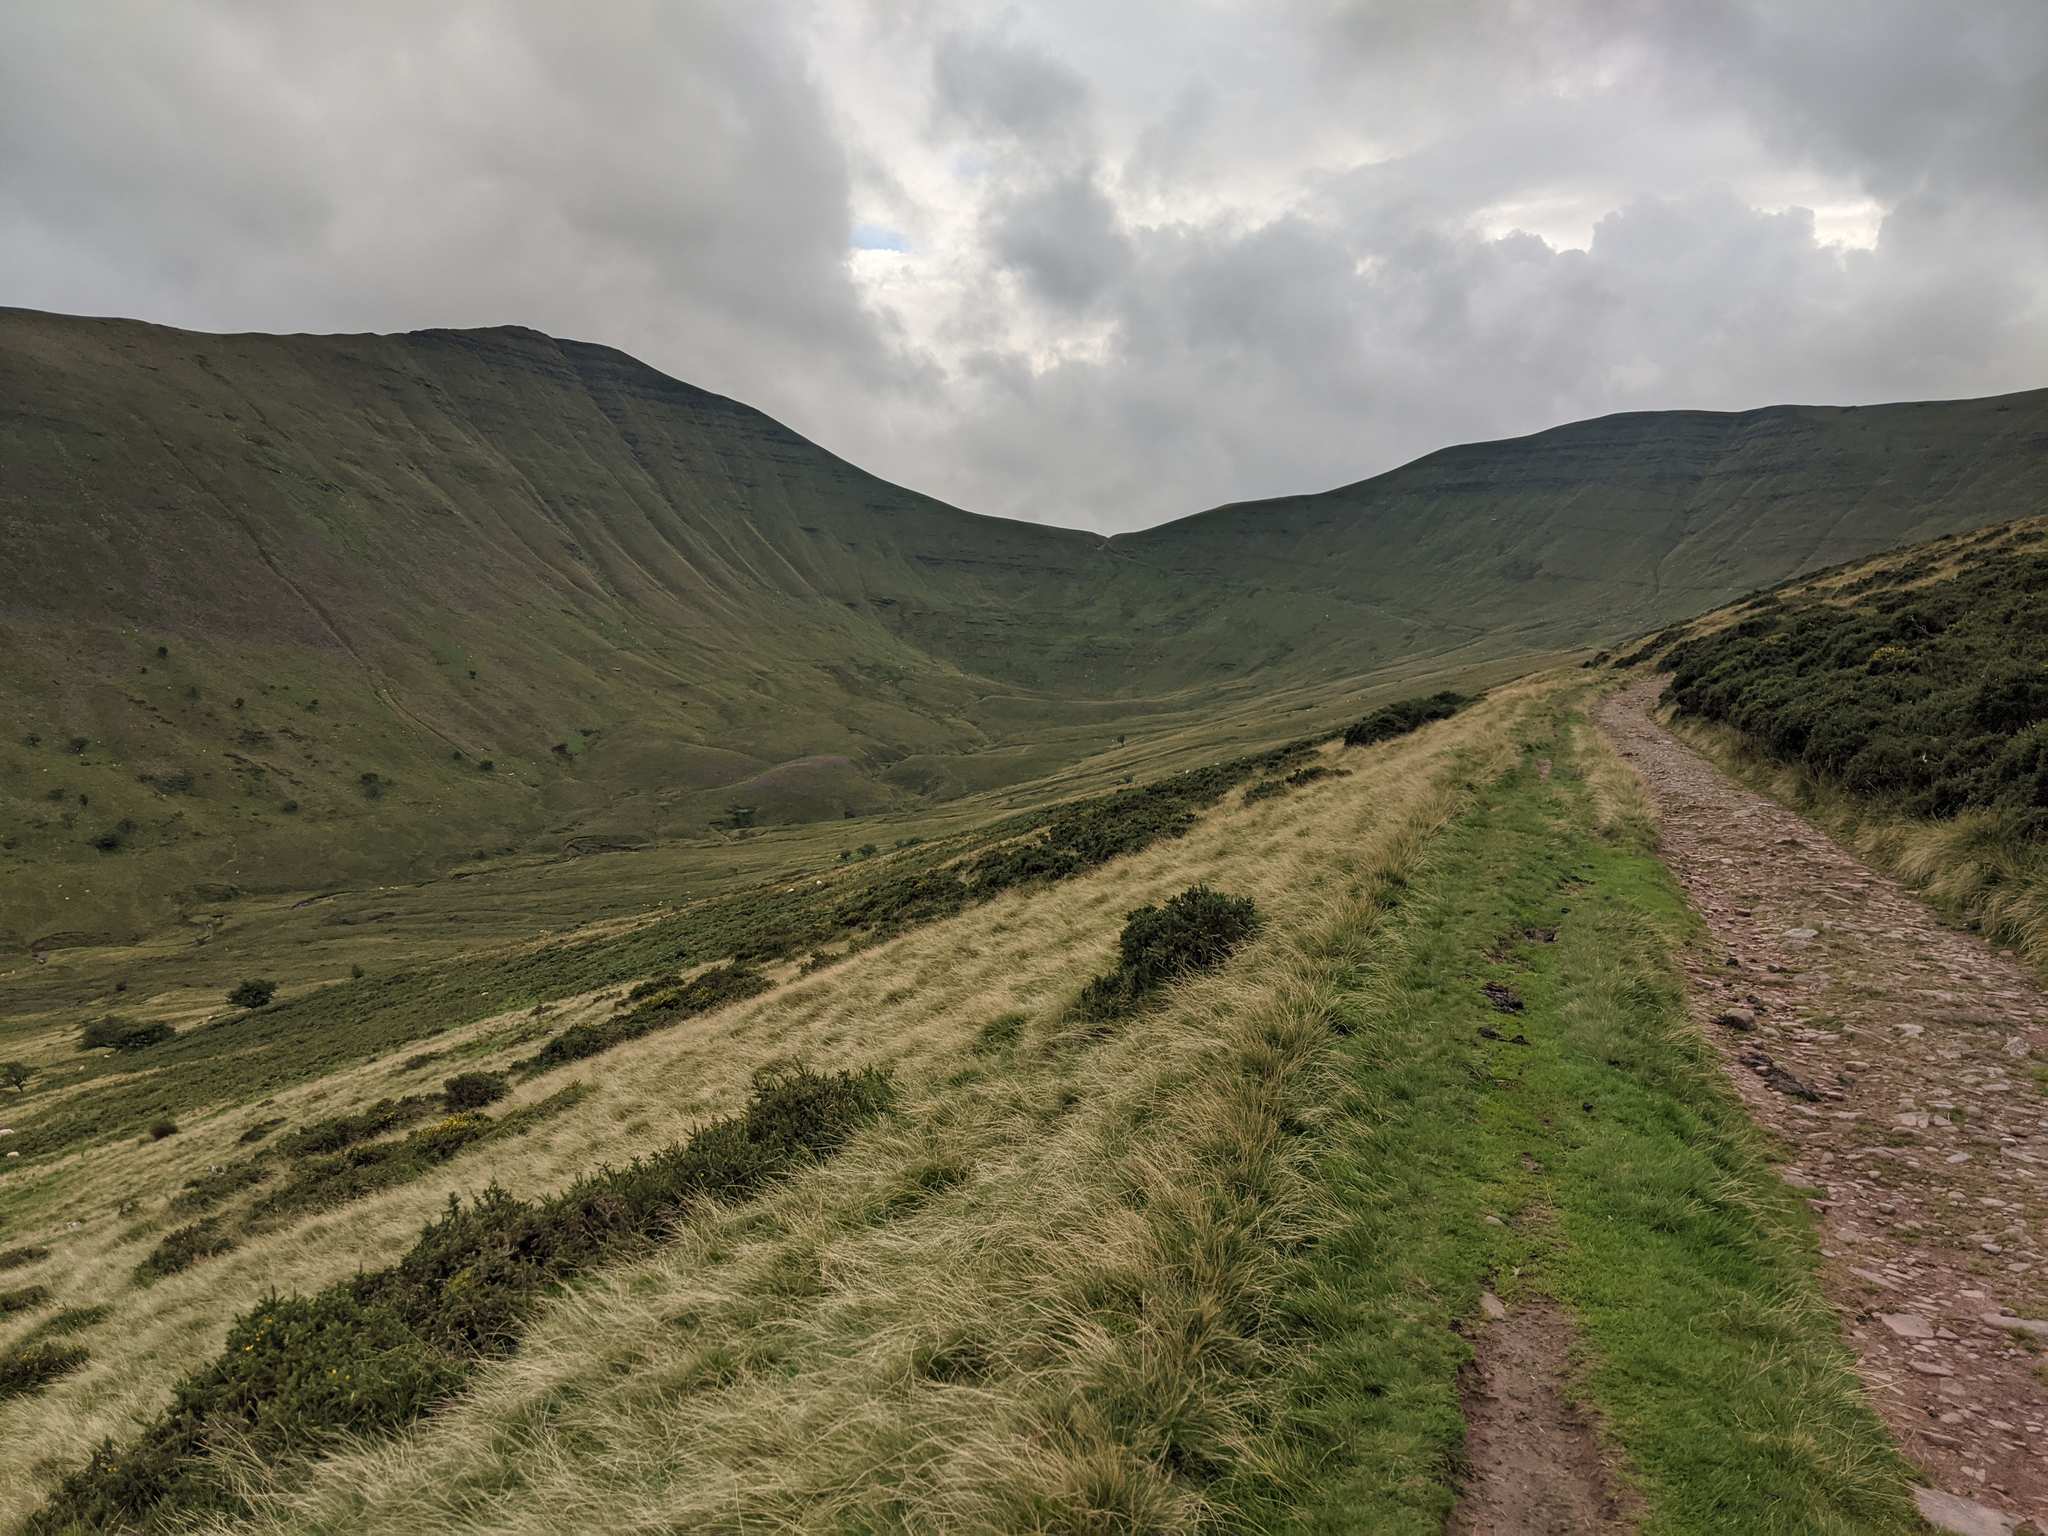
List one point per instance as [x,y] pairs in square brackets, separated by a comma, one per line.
[1601,527]
[1066,1287]
[644,603]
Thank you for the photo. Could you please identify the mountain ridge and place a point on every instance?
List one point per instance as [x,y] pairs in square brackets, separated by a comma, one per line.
[316,583]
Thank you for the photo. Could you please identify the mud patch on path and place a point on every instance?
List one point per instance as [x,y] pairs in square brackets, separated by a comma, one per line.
[1535,1466]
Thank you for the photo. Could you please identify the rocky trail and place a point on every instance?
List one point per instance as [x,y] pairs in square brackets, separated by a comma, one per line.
[1904,1066]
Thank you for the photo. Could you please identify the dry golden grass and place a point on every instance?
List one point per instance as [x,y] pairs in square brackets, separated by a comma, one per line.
[911,1337]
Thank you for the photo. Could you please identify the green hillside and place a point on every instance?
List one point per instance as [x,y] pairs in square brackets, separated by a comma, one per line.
[299,613]
[1598,529]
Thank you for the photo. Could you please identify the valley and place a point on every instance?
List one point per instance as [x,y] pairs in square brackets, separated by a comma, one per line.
[1275,1167]
[574,958]
[287,613]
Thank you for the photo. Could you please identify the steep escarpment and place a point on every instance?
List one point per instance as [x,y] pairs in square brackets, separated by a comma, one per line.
[1599,528]
[294,610]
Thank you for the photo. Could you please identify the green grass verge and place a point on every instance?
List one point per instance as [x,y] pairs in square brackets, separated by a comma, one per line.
[1622,1178]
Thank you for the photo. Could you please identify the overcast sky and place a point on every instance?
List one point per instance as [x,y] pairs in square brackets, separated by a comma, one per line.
[1097,262]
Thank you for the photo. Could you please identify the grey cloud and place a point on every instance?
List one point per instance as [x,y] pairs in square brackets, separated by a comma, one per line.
[669,183]
[1209,253]
[1065,239]
[998,88]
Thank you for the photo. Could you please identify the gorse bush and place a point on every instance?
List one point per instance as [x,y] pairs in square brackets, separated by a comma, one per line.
[1194,931]
[253,993]
[69,1320]
[474,1090]
[1403,716]
[22,1257]
[1934,698]
[119,1034]
[1074,839]
[180,1249]
[1266,789]
[373,1353]
[217,1185]
[658,1009]
[27,1367]
[323,1182]
[338,1131]
[23,1298]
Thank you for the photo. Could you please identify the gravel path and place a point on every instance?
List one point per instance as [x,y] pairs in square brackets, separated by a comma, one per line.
[1901,1063]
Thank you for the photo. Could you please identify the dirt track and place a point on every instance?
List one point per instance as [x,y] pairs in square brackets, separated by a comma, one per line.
[1898,1060]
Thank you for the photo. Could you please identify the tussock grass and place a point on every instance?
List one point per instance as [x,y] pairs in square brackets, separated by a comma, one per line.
[1198,1272]
[372,1353]
[1035,1297]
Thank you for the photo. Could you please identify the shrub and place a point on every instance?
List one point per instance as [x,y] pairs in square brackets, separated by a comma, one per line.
[115,837]
[23,1298]
[1403,716]
[321,1183]
[1266,789]
[1933,698]
[118,1034]
[1194,931]
[375,1352]
[69,1320]
[28,1368]
[160,1130]
[258,1131]
[666,1006]
[338,1131]
[474,1090]
[220,1184]
[22,1257]
[183,1247]
[253,993]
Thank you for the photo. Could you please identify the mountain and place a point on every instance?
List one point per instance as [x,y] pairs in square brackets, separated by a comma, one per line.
[297,611]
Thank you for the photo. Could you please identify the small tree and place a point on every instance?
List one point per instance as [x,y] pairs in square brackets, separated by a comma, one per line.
[253,993]
[15,1074]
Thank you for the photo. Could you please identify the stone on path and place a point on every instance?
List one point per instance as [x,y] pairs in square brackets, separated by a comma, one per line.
[2036,1326]
[1960,1516]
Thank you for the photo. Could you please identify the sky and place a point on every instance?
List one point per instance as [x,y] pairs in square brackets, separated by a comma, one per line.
[1090,263]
